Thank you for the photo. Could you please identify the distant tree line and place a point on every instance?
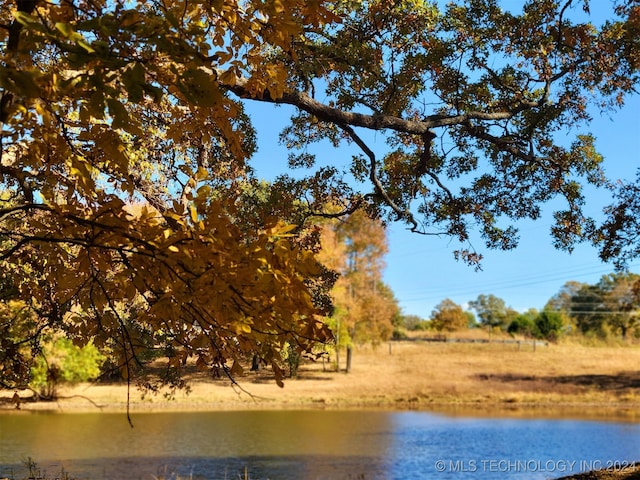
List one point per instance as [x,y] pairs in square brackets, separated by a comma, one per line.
[610,308]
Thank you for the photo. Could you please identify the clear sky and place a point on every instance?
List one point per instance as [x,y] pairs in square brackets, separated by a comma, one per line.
[422,271]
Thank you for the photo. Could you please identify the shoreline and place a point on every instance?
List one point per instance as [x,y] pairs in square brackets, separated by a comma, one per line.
[85,399]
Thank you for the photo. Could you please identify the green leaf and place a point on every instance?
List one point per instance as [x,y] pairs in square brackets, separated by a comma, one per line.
[68,32]
[66,29]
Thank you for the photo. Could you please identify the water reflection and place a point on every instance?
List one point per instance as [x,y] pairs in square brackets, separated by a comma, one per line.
[275,444]
[310,445]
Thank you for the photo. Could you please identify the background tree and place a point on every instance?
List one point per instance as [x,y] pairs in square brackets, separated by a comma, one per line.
[414,322]
[59,362]
[546,324]
[588,310]
[370,303]
[471,319]
[493,312]
[561,301]
[365,308]
[334,257]
[622,299]
[609,306]
[448,316]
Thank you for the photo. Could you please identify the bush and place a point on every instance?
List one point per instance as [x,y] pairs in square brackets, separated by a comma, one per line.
[524,325]
[413,323]
[399,334]
[549,325]
[62,361]
[293,360]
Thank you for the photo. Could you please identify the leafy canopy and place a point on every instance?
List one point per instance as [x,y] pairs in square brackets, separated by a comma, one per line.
[474,100]
[611,306]
[125,150]
[122,159]
[448,316]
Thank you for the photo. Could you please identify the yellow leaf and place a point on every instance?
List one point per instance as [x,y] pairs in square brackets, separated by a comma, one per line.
[65,29]
[229,78]
[282,229]
[194,214]
[278,6]
[84,44]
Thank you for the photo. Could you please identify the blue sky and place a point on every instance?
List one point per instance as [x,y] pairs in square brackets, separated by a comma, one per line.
[422,271]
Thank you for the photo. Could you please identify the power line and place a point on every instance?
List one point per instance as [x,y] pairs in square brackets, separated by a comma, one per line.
[510,284]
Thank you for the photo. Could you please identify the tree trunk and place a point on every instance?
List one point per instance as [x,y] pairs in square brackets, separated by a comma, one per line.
[255,363]
[349,353]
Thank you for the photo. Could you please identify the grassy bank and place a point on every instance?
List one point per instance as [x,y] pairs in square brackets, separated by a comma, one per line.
[478,378]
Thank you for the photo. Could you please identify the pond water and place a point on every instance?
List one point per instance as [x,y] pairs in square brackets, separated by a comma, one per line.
[310,445]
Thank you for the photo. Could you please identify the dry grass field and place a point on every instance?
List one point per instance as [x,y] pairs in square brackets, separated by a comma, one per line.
[479,378]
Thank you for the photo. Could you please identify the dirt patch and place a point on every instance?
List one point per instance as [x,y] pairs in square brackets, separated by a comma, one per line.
[621,381]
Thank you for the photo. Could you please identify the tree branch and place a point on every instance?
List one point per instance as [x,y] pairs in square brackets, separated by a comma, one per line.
[340,117]
[402,213]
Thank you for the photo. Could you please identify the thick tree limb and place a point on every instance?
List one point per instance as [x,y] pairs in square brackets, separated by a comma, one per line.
[337,116]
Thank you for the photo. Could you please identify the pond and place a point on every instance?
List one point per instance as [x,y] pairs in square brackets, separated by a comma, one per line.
[312,445]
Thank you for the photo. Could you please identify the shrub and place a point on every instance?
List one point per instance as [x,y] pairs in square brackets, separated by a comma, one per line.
[523,324]
[549,325]
[62,361]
